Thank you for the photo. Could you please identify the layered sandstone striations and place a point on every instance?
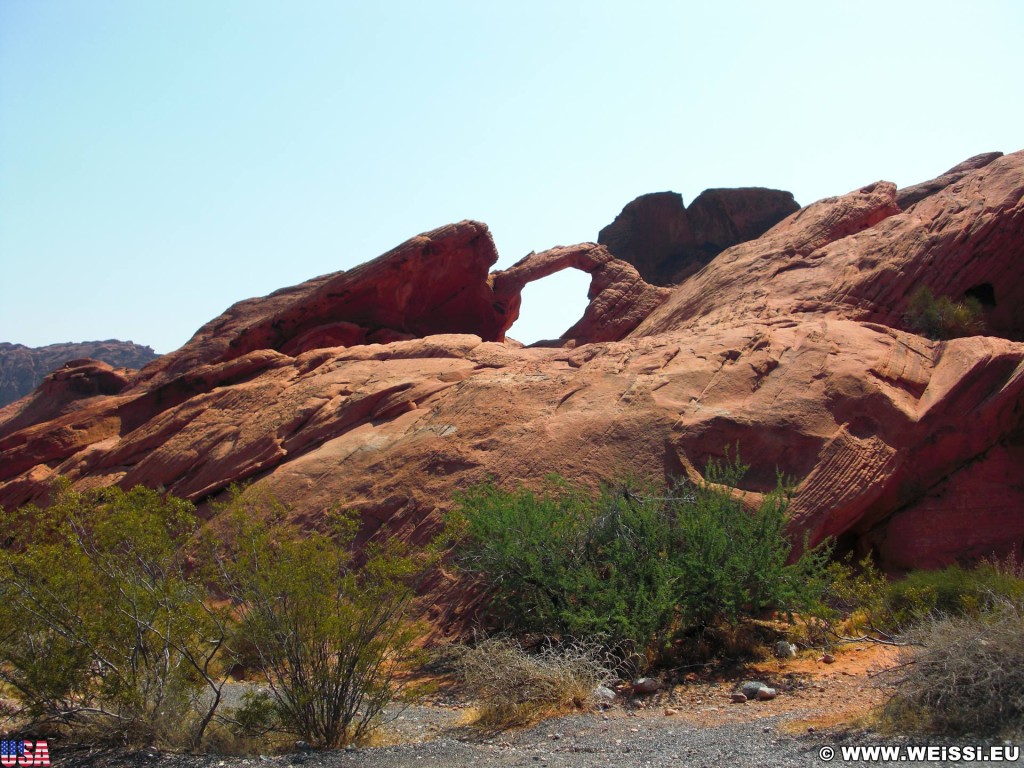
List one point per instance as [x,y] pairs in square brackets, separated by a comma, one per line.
[389,387]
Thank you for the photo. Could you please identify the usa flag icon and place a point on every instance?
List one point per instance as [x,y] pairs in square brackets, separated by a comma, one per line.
[22,752]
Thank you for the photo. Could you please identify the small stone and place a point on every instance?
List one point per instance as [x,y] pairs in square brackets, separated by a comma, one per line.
[603,693]
[827,658]
[751,687]
[302,746]
[766,694]
[669,712]
[785,649]
[738,698]
[810,729]
[645,685]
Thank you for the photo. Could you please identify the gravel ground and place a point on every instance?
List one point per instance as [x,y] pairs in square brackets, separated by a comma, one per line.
[615,739]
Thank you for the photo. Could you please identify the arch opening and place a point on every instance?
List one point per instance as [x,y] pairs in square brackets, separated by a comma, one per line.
[551,306]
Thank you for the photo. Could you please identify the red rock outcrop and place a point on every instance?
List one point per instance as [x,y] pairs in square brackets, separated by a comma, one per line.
[433,283]
[790,346]
[667,242]
[861,257]
[22,368]
[62,390]
[907,196]
[618,298]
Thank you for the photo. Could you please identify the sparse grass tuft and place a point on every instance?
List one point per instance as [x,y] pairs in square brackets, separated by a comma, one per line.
[964,675]
[516,688]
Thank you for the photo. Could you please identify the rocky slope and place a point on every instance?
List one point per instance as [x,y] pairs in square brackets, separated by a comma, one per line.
[389,387]
[22,368]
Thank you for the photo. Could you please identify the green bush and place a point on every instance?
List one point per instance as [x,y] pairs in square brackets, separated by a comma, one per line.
[331,635]
[943,318]
[862,602]
[102,627]
[952,591]
[632,569]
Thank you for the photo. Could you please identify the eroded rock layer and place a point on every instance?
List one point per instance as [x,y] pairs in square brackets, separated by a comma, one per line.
[389,387]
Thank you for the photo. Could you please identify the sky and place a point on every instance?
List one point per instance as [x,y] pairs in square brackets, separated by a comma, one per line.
[163,159]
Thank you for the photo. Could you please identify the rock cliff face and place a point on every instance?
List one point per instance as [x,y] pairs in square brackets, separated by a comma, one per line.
[22,368]
[390,386]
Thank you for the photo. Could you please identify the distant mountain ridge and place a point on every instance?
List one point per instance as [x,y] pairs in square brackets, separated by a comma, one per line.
[22,368]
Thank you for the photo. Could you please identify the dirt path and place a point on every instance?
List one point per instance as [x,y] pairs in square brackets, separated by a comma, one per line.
[692,723]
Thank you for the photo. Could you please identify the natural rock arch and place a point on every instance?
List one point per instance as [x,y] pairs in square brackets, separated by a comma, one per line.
[549,307]
[619,297]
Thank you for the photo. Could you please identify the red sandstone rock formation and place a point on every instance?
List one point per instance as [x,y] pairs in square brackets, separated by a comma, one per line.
[859,256]
[907,196]
[619,298]
[388,387]
[433,283]
[667,242]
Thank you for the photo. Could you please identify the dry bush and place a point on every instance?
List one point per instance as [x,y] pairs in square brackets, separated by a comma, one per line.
[964,675]
[517,688]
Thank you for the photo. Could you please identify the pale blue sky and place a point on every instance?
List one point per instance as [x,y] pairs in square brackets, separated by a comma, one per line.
[162,159]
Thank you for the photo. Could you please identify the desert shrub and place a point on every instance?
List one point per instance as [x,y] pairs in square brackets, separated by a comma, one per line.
[632,569]
[952,591]
[943,318]
[119,619]
[854,603]
[515,687]
[329,634]
[963,674]
[103,630]
[860,601]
